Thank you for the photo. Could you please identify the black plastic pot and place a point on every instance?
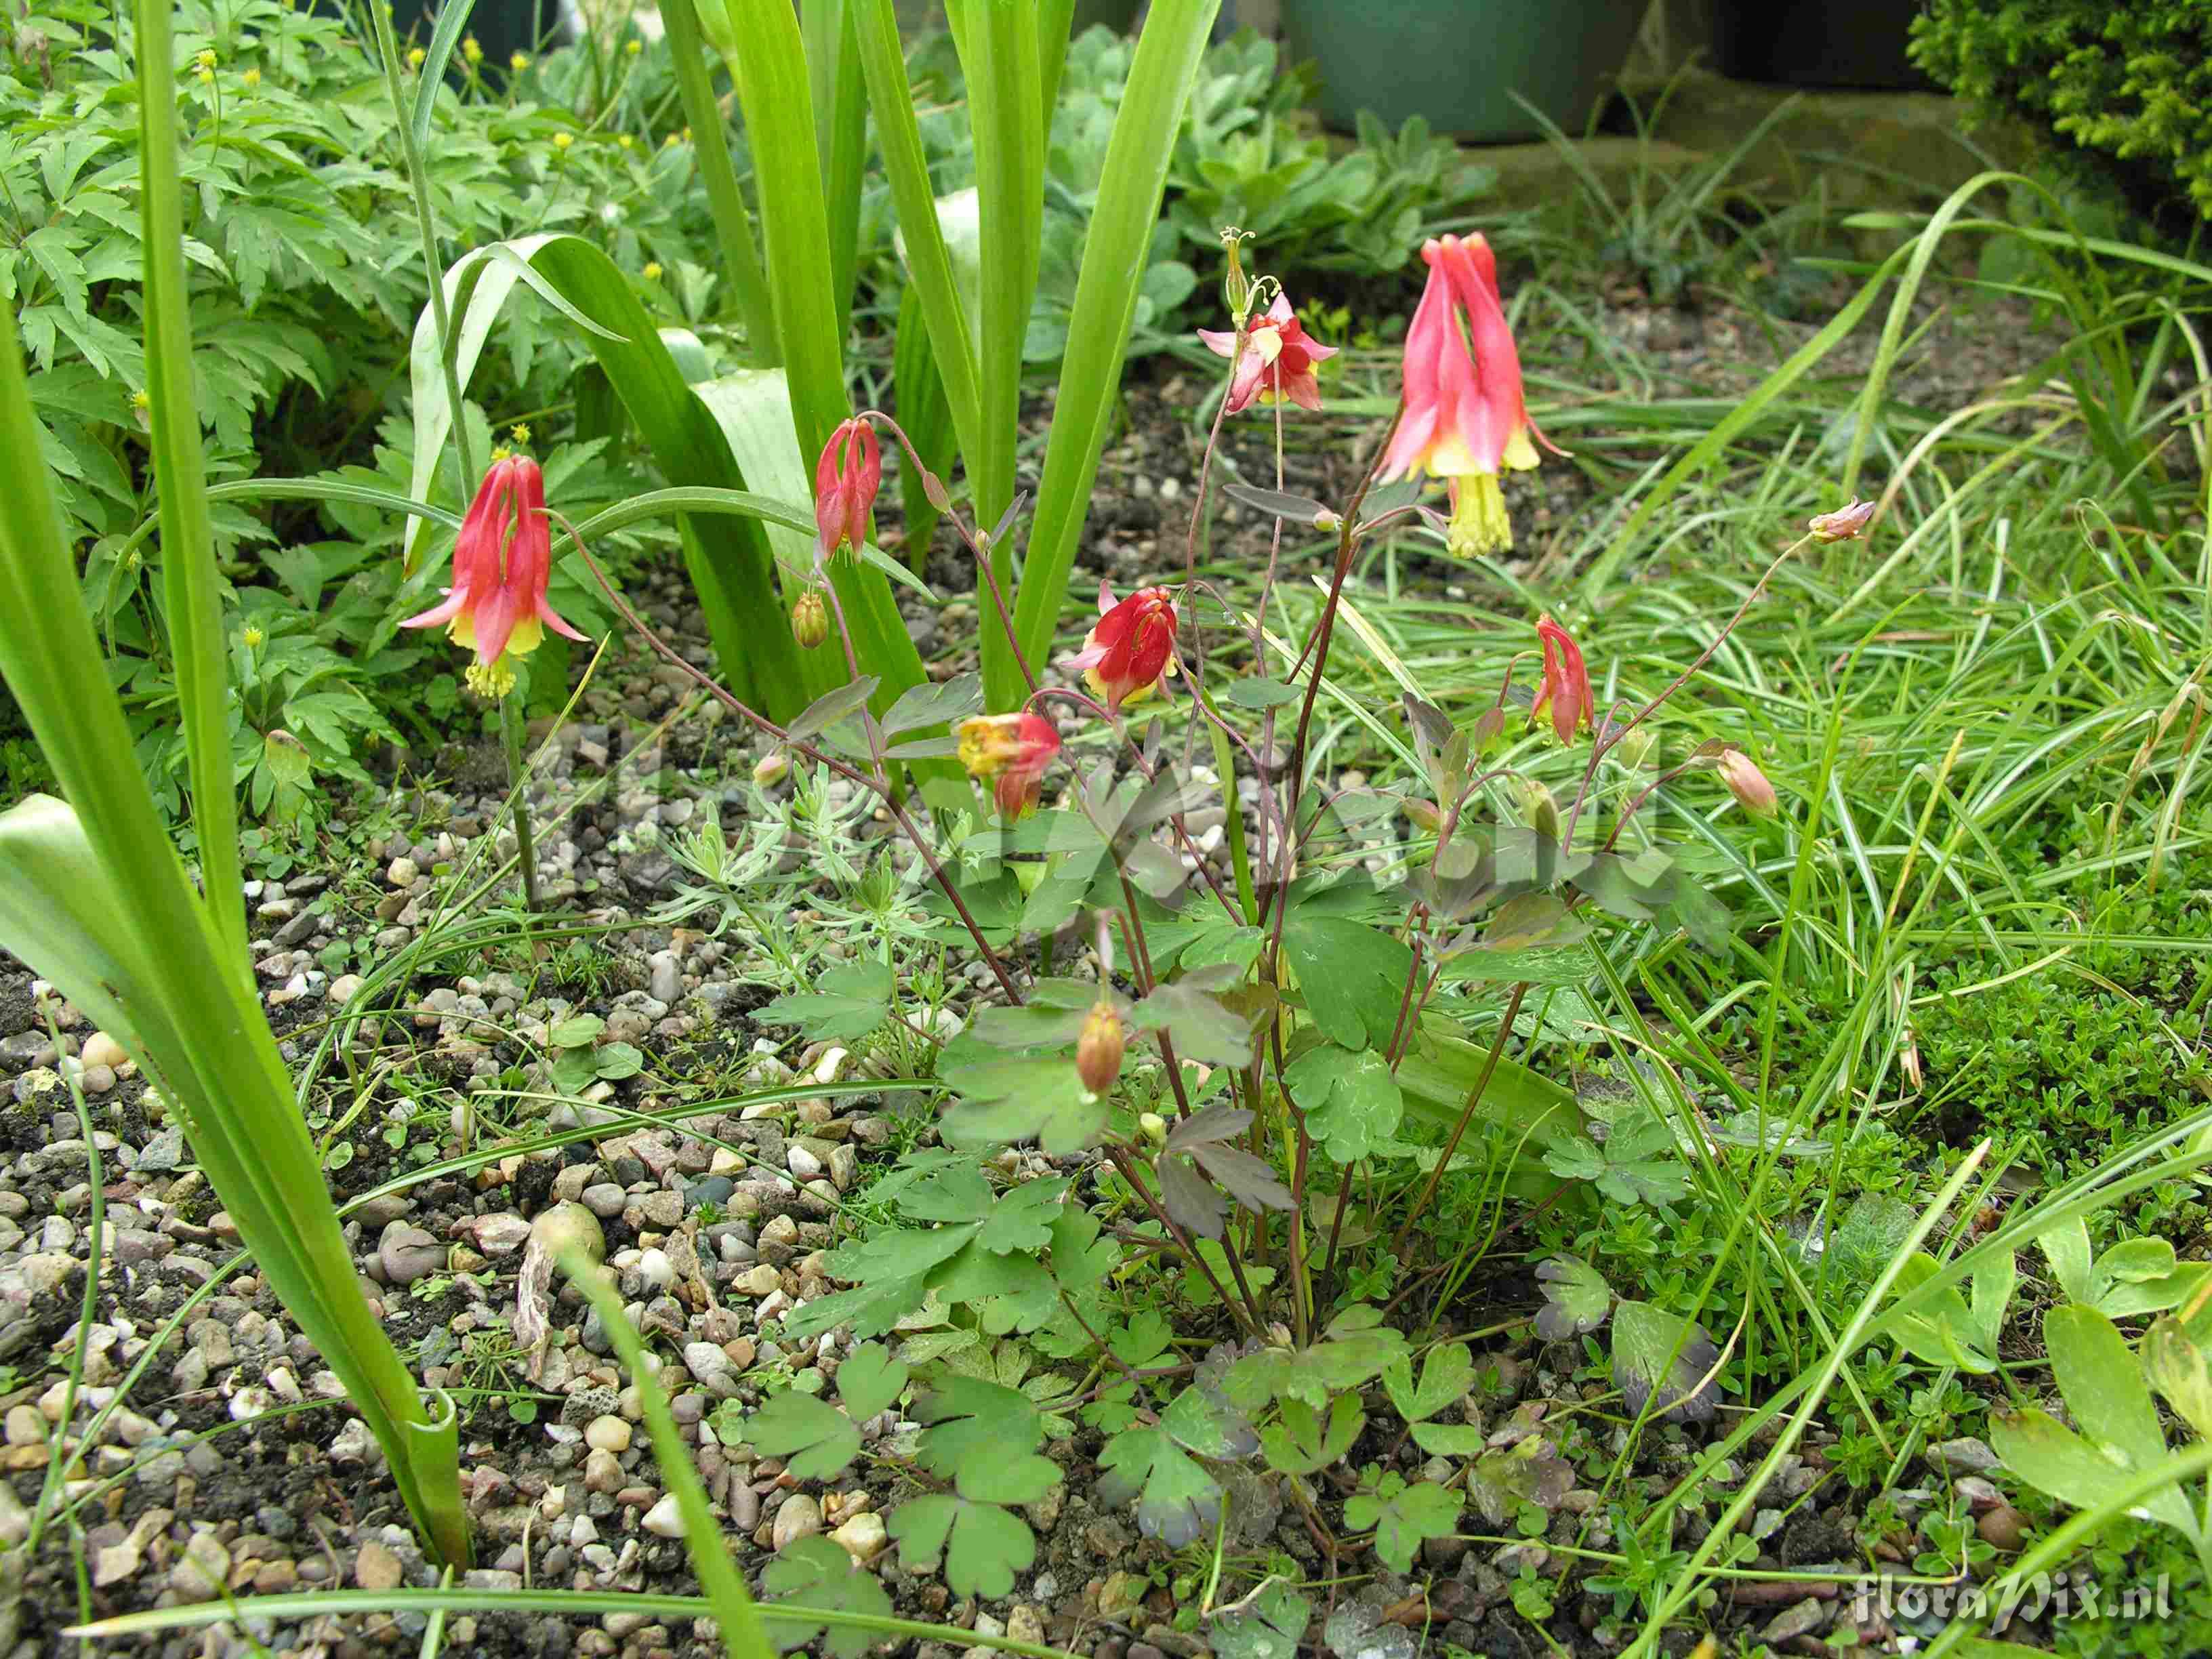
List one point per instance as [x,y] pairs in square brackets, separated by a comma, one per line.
[1818,43]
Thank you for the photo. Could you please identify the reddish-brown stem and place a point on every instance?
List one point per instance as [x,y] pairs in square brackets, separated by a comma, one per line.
[852,775]
[1122,1162]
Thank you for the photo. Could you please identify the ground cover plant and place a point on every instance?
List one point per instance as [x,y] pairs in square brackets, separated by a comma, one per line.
[1555,1006]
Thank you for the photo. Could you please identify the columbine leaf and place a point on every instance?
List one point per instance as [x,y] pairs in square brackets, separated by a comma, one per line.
[1450,1439]
[1010,1100]
[982,1545]
[1019,1219]
[1204,1031]
[1446,1374]
[872,1309]
[1576,1298]
[846,1004]
[1271,1627]
[814,1438]
[1205,1136]
[1402,1517]
[1629,1168]
[1352,976]
[1356,1346]
[1202,1421]
[929,704]
[826,710]
[1301,1441]
[815,1573]
[870,1380]
[1189,1200]
[1080,1258]
[972,1420]
[1052,1016]
[1530,1473]
[1177,1501]
[1353,1103]
[1658,1353]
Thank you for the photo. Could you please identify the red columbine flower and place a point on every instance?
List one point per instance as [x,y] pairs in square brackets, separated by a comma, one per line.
[1126,656]
[1012,752]
[497,605]
[1464,419]
[1566,687]
[1277,362]
[845,481]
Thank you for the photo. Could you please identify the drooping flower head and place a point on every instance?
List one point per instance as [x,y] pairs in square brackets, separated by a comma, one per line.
[1750,786]
[1842,525]
[1098,1050]
[1464,419]
[1277,362]
[845,482]
[1126,656]
[1010,751]
[1566,688]
[501,560]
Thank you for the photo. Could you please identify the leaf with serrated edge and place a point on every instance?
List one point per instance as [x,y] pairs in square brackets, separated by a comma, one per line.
[1530,1473]
[1204,1031]
[1191,1202]
[1018,1099]
[1352,1100]
[1402,1520]
[1202,1422]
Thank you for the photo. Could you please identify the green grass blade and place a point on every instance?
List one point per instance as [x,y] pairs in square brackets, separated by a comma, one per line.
[998,51]
[432,76]
[742,1632]
[1166,66]
[929,266]
[191,589]
[840,136]
[1054,19]
[725,204]
[770,65]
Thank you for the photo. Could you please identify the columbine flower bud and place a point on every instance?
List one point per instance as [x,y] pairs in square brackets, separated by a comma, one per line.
[1842,525]
[770,770]
[1153,1127]
[1634,748]
[1566,688]
[1540,808]
[1747,783]
[809,620]
[1098,1050]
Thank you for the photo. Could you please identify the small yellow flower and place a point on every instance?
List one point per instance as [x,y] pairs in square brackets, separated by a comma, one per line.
[415,58]
[635,47]
[470,49]
[205,60]
[652,272]
[205,76]
[519,432]
[253,637]
[562,140]
[519,62]
[623,141]
[670,141]
[142,400]
[500,452]
[251,77]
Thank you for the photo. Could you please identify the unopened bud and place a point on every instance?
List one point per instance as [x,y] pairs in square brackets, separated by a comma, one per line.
[1634,748]
[1842,525]
[1540,808]
[1747,784]
[1098,1050]
[1423,813]
[771,769]
[809,620]
[1153,1126]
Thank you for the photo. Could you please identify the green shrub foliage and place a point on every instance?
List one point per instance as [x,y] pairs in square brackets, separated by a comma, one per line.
[2126,89]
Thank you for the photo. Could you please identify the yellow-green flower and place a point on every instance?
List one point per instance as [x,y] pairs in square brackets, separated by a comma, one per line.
[562,140]
[652,272]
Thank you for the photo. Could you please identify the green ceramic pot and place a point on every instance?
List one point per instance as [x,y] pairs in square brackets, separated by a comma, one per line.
[1459,62]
